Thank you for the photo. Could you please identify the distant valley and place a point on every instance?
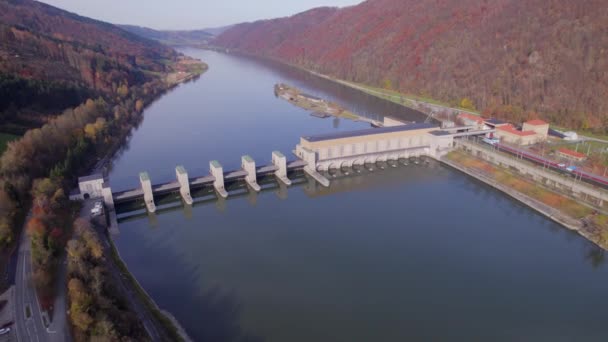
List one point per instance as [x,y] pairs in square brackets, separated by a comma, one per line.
[177,37]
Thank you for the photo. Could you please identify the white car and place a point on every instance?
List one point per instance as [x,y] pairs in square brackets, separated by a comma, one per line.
[562,165]
[4,331]
[98,205]
[96,211]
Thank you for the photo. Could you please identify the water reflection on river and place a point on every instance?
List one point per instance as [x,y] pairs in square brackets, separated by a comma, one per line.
[417,252]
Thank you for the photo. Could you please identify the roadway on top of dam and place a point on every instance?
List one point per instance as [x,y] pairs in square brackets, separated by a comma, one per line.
[196,182]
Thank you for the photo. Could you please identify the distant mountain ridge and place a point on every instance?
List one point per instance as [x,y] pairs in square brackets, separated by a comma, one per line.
[177,37]
[52,43]
[510,57]
[171,38]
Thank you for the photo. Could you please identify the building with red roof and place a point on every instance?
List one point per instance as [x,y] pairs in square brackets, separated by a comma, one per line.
[571,155]
[512,135]
[471,120]
[538,126]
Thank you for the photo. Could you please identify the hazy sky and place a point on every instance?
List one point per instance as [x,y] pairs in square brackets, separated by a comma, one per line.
[189,14]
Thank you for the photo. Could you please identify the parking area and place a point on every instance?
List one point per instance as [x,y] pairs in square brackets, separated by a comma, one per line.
[94,210]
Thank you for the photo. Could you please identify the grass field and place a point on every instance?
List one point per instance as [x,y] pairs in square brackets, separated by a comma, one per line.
[569,206]
[5,139]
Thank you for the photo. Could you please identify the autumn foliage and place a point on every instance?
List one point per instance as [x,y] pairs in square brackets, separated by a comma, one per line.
[508,57]
[97,312]
[47,228]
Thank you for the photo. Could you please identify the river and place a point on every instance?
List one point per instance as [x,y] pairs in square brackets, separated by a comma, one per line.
[418,252]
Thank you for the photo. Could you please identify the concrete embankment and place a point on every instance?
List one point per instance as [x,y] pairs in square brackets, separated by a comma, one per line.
[581,191]
[139,297]
[578,225]
[540,207]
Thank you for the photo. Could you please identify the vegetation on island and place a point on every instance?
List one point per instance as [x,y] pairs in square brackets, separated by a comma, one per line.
[510,59]
[318,106]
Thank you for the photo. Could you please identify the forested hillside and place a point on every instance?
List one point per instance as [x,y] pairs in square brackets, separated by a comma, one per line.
[73,88]
[510,57]
[51,60]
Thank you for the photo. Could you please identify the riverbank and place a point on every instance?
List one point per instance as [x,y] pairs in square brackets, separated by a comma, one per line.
[431,107]
[191,69]
[420,103]
[94,128]
[132,288]
[560,208]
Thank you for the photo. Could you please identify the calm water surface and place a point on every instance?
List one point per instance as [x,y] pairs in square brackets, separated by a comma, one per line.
[413,253]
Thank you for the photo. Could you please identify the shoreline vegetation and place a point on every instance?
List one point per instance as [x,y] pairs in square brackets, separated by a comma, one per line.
[590,223]
[318,107]
[423,104]
[427,104]
[420,103]
[5,138]
[97,307]
[40,168]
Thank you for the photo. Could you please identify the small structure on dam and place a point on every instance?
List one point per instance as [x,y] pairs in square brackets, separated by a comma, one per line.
[217,172]
[184,182]
[248,165]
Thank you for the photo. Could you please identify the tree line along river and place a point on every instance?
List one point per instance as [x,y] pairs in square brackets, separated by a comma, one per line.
[418,252]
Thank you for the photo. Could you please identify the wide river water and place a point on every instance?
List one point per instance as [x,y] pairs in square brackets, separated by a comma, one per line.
[414,253]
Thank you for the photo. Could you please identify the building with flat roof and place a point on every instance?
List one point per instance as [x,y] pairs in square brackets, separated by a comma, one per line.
[539,126]
[511,135]
[371,145]
[495,123]
[365,134]
[472,120]
[571,155]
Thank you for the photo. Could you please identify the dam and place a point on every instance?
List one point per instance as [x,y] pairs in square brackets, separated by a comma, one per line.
[315,154]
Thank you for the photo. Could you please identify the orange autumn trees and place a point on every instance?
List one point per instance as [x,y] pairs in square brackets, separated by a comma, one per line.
[506,56]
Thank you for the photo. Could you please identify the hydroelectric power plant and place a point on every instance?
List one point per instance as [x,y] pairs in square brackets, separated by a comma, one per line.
[314,153]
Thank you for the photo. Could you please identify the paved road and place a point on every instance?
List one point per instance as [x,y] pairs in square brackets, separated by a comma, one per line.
[122,283]
[586,138]
[29,321]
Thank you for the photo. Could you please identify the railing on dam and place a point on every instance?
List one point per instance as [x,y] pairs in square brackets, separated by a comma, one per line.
[345,179]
